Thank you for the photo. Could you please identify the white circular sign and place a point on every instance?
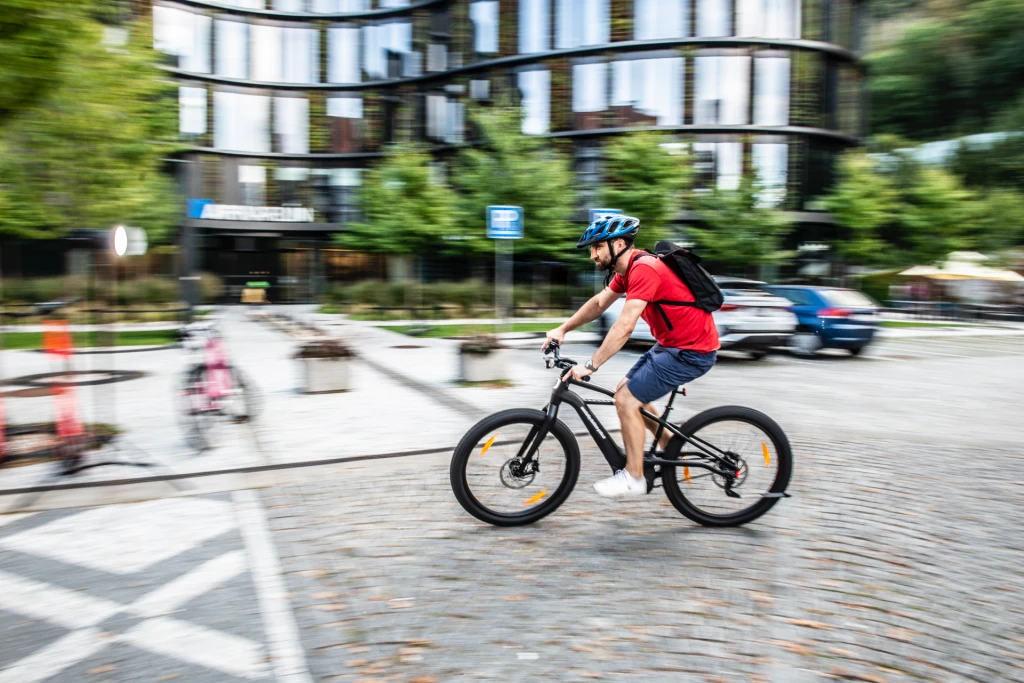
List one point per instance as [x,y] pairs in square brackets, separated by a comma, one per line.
[120,240]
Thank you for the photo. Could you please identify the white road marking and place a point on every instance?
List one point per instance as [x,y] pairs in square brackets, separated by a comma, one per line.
[55,657]
[206,647]
[181,590]
[286,654]
[125,539]
[53,604]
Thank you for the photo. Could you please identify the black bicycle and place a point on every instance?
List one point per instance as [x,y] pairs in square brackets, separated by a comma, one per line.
[724,467]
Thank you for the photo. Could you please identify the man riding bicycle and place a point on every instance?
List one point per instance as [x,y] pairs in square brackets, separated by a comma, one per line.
[687,340]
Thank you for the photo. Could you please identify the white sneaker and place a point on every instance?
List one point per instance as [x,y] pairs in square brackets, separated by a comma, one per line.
[622,483]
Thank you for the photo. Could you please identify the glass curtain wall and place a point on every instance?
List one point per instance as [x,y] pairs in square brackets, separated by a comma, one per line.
[661,19]
[241,122]
[185,35]
[648,91]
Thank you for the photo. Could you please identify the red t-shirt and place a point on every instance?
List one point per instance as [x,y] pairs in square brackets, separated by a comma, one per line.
[648,279]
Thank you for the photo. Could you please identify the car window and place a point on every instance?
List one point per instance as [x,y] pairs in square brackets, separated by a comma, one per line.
[847,298]
[800,297]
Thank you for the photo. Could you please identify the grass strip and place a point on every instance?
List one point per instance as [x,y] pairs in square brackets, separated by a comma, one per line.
[81,340]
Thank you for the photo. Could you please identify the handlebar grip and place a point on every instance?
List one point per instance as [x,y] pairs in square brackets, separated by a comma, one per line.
[587,378]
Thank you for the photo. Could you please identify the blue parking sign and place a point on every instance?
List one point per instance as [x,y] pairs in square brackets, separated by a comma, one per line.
[505,222]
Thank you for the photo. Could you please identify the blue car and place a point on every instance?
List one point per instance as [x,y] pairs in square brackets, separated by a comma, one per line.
[830,317]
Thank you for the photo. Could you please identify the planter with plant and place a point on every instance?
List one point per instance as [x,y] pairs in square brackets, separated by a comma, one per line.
[481,359]
[326,364]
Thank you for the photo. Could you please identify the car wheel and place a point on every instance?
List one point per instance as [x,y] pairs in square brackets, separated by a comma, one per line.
[805,343]
[757,355]
[857,350]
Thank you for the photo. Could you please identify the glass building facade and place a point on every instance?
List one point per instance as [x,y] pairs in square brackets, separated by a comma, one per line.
[285,102]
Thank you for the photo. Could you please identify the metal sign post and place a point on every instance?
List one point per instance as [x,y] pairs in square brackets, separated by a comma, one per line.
[504,224]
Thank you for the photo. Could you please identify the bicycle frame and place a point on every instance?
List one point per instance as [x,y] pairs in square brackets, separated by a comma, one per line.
[612,452]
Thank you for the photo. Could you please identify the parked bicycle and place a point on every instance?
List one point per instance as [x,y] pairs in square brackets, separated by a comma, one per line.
[723,467]
[212,389]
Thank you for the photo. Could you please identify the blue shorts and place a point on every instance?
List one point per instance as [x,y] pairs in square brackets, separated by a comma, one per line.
[660,370]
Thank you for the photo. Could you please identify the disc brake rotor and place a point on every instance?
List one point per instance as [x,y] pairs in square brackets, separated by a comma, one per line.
[513,475]
[739,466]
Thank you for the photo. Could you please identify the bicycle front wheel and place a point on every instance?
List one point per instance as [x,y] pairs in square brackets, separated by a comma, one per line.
[494,482]
[756,447]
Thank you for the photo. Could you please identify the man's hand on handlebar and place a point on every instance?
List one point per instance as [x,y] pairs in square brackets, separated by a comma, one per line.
[557,334]
[578,373]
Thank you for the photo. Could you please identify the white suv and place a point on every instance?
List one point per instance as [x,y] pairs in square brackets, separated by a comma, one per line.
[750,319]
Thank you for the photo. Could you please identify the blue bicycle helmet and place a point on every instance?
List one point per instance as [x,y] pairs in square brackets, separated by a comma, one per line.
[612,227]
[608,229]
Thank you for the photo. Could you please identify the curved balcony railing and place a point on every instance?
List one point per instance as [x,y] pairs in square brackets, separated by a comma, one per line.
[308,16]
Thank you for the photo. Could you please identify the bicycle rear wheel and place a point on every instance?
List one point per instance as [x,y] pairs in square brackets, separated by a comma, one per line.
[198,415]
[759,450]
[491,479]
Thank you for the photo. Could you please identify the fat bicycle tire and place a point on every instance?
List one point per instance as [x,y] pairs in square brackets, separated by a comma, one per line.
[492,424]
[761,505]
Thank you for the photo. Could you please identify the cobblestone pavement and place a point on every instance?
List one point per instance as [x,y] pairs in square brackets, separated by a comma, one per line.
[892,562]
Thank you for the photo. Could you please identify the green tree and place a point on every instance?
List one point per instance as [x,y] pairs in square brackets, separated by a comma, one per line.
[736,232]
[510,168]
[407,209]
[862,203]
[1000,222]
[645,180]
[936,214]
[91,153]
[34,35]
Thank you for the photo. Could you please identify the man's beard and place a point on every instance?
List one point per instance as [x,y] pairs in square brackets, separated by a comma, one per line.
[603,265]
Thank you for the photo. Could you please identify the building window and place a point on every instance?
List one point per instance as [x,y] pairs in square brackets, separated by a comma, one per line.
[343,55]
[232,49]
[581,22]
[284,55]
[480,90]
[589,94]
[290,185]
[660,19]
[768,18]
[300,50]
[252,180]
[338,6]
[185,35]
[445,119]
[387,43]
[714,18]
[769,161]
[346,114]
[535,88]
[437,57]
[718,164]
[721,90]
[534,26]
[291,125]
[649,91]
[771,91]
[485,26]
[338,193]
[241,123]
[192,110]
[245,4]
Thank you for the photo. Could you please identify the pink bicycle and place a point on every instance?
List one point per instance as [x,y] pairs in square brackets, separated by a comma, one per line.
[212,390]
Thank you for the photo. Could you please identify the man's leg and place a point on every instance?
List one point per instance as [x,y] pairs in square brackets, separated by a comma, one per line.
[652,426]
[632,423]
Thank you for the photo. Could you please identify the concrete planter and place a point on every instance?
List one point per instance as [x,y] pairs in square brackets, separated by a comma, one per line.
[482,367]
[325,375]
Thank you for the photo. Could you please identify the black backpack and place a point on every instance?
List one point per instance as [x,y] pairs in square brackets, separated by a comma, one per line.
[686,265]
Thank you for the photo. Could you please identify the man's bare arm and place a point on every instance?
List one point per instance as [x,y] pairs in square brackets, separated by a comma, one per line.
[589,311]
[619,334]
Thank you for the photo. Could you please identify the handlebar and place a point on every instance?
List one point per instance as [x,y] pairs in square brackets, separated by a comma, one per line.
[565,364]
